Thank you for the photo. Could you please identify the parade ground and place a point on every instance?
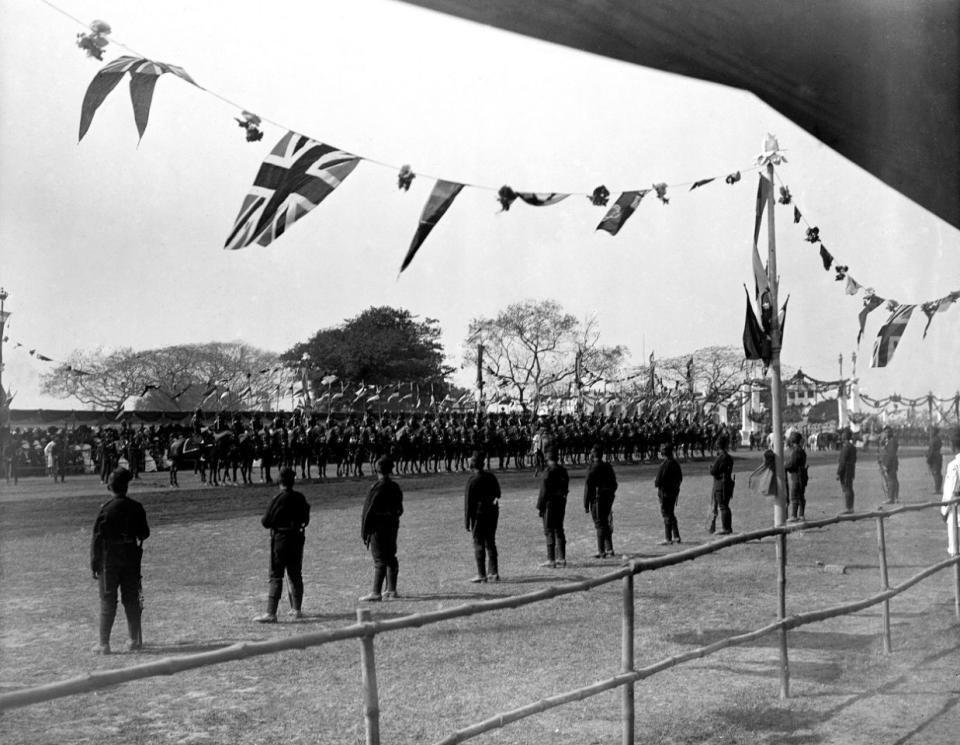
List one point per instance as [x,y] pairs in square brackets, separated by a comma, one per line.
[205,577]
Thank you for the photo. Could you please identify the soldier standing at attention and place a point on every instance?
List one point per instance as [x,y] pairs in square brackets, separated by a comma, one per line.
[552,508]
[115,554]
[889,463]
[599,491]
[668,482]
[287,517]
[379,525]
[796,469]
[722,472]
[481,508]
[935,459]
[847,469]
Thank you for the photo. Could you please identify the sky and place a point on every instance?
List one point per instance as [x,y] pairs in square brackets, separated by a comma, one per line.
[109,243]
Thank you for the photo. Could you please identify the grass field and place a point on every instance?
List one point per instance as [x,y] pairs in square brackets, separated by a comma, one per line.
[205,572]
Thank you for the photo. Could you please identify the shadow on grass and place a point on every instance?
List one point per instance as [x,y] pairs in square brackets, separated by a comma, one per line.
[431,596]
[818,672]
[798,639]
[780,721]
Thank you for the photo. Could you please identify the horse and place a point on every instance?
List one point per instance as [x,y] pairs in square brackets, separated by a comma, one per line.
[209,451]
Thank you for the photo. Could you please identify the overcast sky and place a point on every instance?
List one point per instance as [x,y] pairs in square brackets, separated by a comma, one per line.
[107,243]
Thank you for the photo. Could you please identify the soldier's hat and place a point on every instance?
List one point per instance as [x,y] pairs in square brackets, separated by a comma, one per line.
[385,464]
[477,459]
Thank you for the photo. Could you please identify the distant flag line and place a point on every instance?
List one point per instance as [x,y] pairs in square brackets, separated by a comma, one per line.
[299,172]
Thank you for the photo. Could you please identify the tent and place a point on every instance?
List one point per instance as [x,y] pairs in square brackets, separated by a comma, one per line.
[876,80]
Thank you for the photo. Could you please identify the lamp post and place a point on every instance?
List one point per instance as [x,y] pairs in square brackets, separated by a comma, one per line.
[4,315]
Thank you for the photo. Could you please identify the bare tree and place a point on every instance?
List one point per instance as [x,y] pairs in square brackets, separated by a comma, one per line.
[179,377]
[534,347]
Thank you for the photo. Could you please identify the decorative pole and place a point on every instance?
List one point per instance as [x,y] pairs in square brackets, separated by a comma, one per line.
[4,411]
[480,377]
[771,156]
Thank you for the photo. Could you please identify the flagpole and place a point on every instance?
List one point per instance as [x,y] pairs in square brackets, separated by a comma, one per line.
[776,385]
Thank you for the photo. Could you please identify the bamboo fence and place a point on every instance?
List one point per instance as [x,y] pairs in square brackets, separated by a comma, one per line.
[366,630]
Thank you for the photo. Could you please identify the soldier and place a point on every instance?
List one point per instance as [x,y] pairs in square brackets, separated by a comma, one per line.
[287,518]
[935,459]
[599,491]
[115,555]
[847,469]
[481,509]
[379,524]
[668,480]
[951,490]
[723,483]
[552,508]
[889,463]
[796,468]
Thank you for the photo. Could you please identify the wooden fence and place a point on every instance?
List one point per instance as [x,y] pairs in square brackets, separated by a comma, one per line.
[365,629]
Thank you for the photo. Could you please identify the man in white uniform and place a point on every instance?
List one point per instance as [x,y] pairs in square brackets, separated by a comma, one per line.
[951,489]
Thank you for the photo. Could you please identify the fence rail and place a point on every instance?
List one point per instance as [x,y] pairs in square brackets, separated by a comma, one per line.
[366,630]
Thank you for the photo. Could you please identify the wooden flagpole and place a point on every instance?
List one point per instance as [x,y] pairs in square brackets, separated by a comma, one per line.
[776,385]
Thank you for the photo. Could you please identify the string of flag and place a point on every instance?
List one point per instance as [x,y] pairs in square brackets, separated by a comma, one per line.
[300,172]
[890,333]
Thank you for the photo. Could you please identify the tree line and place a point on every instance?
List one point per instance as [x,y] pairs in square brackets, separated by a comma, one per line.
[528,351]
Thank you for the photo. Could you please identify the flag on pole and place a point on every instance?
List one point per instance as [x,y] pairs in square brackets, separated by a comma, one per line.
[889,336]
[756,344]
[621,210]
[853,287]
[870,303]
[760,278]
[439,201]
[295,177]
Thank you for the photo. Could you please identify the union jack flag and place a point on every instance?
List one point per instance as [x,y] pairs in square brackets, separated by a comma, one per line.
[889,336]
[298,174]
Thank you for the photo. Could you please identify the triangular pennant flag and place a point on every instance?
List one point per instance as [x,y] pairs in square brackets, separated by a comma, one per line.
[761,281]
[143,77]
[870,304]
[701,182]
[853,287]
[826,257]
[796,215]
[295,177]
[937,306]
[439,201]
[783,318]
[621,210]
[756,345]
[889,336]
[542,199]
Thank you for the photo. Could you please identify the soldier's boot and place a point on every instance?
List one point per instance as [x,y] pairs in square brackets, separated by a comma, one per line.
[601,545]
[551,554]
[493,569]
[108,611]
[379,574]
[608,543]
[295,597]
[667,532]
[726,521]
[480,558]
[134,631]
[273,602]
[676,530]
[392,573]
[561,551]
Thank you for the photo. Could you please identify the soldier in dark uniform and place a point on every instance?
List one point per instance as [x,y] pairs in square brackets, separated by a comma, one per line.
[481,509]
[599,491]
[796,468]
[667,481]
[935,459]
[196,424]
[115,554]
[287,517]
[889,463]
[847,469]
[552,508]
[722,472]
[379,524]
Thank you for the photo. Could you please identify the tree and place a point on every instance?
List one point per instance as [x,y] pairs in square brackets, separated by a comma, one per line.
[177,377]
[535,347]
[380,346]
[716,372]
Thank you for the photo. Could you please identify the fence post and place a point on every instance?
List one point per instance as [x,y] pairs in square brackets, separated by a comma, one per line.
[782,613]
[953,515]
[884,584]
[371,699]
[626,660]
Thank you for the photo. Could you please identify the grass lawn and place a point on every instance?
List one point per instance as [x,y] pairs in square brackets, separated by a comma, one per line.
[205,569]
